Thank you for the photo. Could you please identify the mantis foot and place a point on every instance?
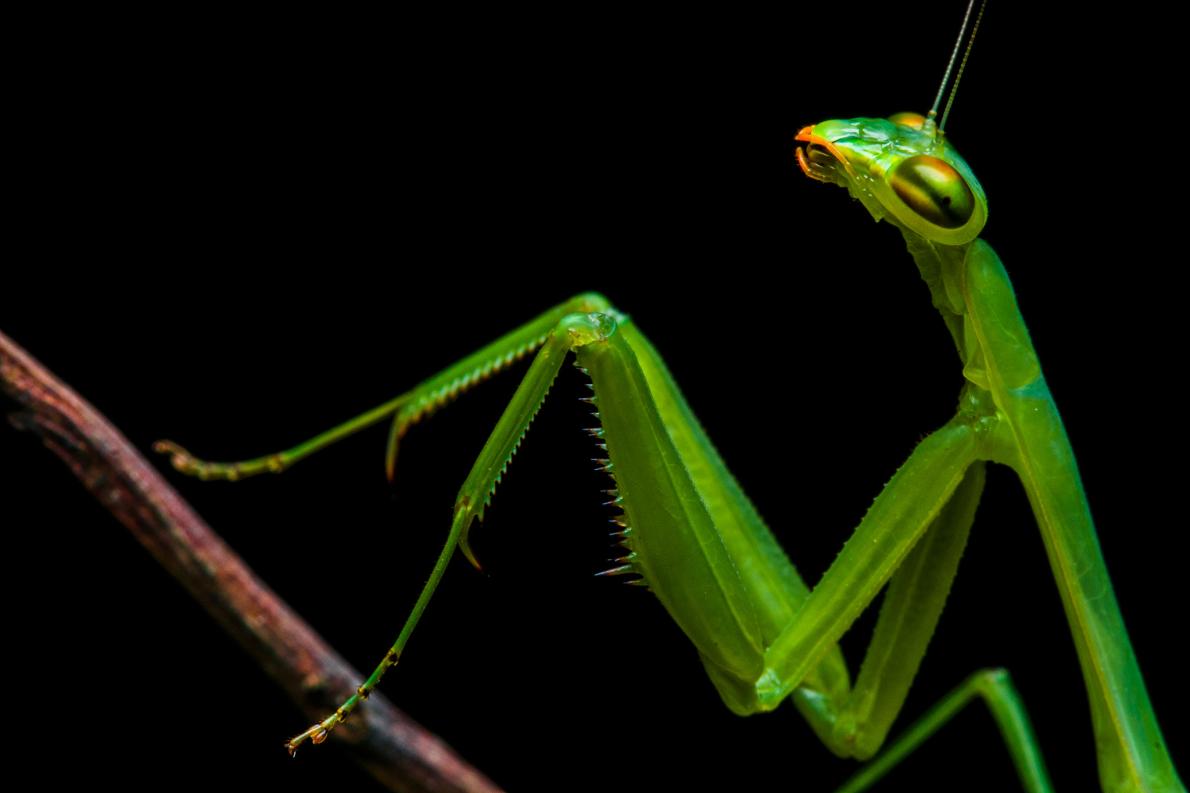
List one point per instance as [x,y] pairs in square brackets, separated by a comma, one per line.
[187,463]
[316,734]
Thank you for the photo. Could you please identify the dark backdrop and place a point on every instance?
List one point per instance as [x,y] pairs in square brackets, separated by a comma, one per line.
[236,233]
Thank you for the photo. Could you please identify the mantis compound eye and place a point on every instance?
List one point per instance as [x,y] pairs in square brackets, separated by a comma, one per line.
[934,190]
[911,120]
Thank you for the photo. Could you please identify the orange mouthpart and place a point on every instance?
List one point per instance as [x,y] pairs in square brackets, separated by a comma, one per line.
[806,135]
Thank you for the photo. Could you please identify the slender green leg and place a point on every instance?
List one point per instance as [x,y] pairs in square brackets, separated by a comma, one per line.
[408,408]
[856,724]
[853,722]
[277,462]
[910,611]
[909,614]
[893,525]
[476,493]
[996,689]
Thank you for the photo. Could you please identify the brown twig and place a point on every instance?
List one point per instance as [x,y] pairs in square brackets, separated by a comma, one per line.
[393,748]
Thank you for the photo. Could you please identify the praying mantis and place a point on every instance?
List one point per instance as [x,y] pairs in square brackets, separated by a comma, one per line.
[889,254]
[698,543]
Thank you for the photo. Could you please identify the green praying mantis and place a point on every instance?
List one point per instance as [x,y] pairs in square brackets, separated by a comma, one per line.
[786,647]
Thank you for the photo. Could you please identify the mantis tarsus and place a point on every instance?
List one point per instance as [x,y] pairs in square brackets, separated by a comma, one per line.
[892,257]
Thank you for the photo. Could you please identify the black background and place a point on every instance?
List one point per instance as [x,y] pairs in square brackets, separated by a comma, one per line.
[237,232]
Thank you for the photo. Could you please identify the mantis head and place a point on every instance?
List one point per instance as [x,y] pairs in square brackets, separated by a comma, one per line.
[902,169]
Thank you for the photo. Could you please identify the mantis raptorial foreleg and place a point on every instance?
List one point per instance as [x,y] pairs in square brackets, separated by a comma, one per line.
[914,534]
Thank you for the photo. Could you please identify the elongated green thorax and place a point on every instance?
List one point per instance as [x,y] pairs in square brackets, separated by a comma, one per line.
[904,171]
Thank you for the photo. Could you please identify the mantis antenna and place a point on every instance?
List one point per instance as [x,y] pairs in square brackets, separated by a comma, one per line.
[950,66]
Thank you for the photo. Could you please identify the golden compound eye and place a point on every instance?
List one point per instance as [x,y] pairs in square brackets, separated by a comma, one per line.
[911,120]
[934,190]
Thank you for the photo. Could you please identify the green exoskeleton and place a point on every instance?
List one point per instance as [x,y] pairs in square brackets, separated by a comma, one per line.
[694,539]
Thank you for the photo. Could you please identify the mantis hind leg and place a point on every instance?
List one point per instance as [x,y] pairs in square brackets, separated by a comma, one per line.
[915,544]
[995,688]
[908,616]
